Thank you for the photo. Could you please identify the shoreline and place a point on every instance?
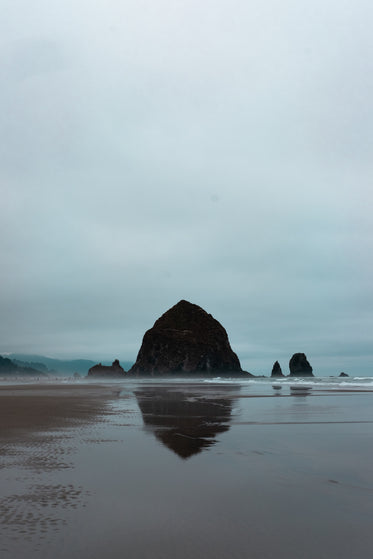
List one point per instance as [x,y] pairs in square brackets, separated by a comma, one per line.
[27,409]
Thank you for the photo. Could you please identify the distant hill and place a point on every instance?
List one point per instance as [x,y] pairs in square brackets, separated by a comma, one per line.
[30,365]
[60,366]
[8,367]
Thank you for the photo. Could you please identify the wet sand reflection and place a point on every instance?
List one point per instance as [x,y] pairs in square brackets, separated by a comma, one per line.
[186,421]
[41,427]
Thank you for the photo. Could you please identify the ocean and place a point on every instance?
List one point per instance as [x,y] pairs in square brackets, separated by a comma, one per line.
[187,469]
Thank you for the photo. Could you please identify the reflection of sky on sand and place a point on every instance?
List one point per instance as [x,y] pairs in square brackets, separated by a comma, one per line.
[38,491]
[261,404]
[185,421]
[40,434]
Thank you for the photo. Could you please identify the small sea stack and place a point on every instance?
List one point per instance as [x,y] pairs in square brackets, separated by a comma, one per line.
[299,366]
[105,371]
[276,370]
[185,341]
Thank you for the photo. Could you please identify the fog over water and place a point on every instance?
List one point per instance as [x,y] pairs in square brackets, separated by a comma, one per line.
[215,152]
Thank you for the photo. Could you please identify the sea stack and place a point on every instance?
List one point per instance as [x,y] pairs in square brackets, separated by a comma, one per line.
[186,340]
[299,366]
[104,371]
[276,370]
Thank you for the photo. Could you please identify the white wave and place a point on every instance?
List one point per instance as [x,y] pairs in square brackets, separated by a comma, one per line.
[316,382]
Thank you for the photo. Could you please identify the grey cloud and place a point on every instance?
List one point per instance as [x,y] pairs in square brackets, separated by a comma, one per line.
[33,57]
[159,151]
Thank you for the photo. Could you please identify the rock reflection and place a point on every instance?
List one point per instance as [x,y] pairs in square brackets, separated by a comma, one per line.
[186,421]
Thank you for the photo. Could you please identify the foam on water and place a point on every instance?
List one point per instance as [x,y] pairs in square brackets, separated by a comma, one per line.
[351,383]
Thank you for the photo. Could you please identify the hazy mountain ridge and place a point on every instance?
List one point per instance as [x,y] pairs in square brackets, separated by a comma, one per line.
[59,366]
[10,367]
[30,365]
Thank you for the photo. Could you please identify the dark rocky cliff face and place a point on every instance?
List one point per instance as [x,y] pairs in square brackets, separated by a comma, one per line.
[299,366]
[112,371]
[276,370]
[186,340]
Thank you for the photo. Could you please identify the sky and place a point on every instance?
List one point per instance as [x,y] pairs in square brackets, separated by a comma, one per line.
[214,151]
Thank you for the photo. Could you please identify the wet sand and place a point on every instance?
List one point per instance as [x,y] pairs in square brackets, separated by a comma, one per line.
[30,408]
[165,470]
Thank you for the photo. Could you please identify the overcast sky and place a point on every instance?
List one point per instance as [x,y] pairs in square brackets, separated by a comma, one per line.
[216,151]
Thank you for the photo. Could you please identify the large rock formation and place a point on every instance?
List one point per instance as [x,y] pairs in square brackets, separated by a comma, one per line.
[299,366]
[186,340]
[114,371]
[276,370]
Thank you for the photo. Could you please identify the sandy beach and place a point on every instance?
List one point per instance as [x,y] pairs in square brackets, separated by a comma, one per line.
[185,470]
[27,409]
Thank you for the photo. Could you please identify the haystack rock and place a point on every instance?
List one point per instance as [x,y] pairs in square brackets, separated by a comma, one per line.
[276,370]
[114,371]
[186,340]
[299,366]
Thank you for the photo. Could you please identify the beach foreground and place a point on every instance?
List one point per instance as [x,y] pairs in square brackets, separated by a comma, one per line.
[178,469]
